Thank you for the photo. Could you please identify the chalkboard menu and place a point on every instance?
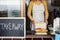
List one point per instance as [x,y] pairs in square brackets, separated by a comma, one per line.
[12,27]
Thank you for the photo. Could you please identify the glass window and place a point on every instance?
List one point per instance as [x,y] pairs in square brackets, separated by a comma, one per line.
[14,8]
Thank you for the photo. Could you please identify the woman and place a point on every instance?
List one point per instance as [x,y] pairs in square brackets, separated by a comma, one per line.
[38,9]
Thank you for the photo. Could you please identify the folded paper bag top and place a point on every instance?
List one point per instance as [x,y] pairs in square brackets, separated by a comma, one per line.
[41,25]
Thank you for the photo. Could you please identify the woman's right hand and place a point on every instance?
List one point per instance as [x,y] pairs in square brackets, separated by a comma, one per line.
[33,22]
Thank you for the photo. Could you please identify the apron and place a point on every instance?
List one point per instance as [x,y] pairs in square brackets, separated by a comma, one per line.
[38,14]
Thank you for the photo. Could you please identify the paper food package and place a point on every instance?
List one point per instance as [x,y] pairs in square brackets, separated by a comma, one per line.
[40,28]
[40,25]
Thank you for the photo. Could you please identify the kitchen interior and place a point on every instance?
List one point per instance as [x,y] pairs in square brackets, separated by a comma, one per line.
[53,20]
[54,11]
[54,14]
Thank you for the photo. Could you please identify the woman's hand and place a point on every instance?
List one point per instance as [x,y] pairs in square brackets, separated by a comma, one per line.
[33,22]
[46,21]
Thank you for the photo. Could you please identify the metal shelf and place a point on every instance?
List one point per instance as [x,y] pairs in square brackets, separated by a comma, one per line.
[32,37]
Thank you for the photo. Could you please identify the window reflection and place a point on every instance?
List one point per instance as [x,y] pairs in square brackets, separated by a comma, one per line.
[12,7]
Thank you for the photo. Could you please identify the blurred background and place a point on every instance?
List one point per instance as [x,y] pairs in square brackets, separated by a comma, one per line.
[54,12]
[11,8]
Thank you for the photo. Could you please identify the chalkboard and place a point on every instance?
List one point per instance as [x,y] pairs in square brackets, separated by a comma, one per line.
[12,27]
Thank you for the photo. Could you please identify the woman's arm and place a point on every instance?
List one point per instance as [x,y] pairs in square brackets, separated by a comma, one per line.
[30,10]
[46,10]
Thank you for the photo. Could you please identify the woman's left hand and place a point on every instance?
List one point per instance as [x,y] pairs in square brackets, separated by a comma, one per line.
[46,21]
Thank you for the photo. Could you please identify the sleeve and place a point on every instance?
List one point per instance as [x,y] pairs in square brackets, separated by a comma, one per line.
[30,10]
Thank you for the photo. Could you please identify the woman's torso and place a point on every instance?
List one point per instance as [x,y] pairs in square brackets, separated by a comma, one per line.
[38,12]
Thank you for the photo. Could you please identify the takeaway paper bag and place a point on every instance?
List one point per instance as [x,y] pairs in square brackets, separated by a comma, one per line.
[41,25]
[40,28]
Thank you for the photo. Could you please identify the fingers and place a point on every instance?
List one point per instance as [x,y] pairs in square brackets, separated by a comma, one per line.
[46,21]
[33,21]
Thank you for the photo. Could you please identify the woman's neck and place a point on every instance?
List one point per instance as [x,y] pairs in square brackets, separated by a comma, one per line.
[38,2]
